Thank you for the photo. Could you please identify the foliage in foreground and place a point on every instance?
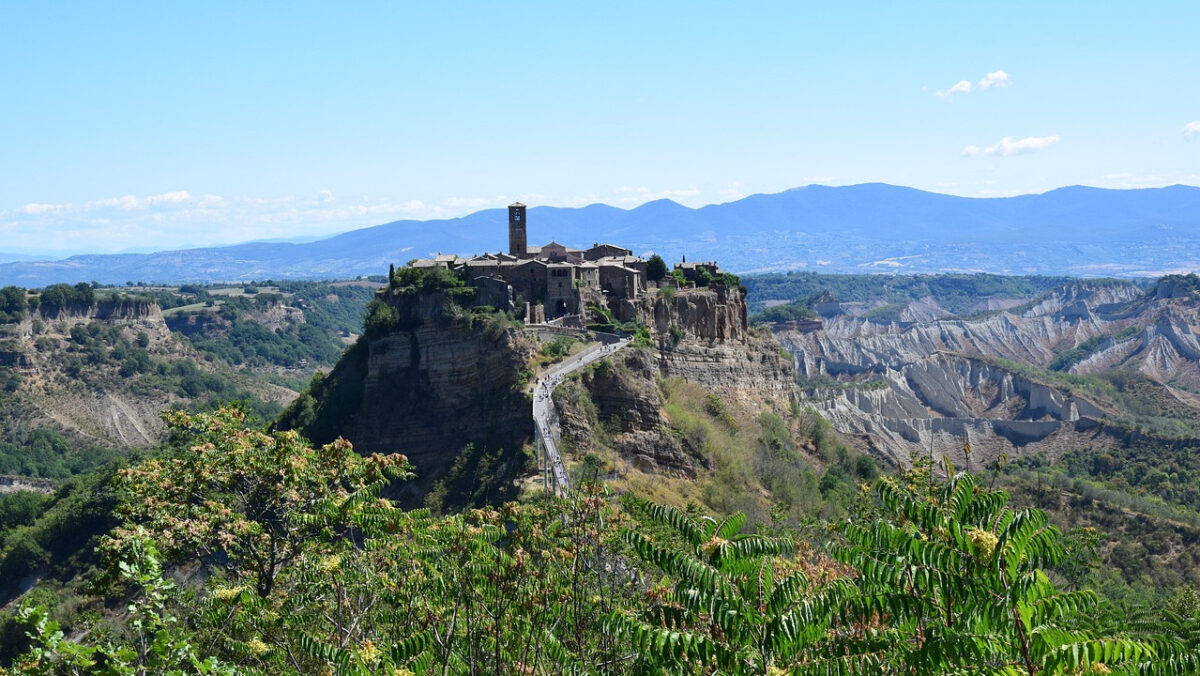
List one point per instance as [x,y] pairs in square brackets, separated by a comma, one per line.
[308,569]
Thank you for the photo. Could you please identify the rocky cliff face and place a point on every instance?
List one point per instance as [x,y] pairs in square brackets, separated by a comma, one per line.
[713,314]
[1069,317]
[702,336]
[35,349]
[939,404]
[273,317]
[437,381]
[619,399]
[428,391]
[699,335]
[931,387]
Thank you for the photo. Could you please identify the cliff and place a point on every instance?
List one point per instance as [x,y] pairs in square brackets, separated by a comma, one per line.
[436,380]
[618,404]
[699,336]
[702,336]
[437,377]
[1040,378]
[92,401]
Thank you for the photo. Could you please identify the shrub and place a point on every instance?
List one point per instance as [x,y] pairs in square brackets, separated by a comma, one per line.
[676,333]
[381,318]
[13,307]
[656,268]
[559,347]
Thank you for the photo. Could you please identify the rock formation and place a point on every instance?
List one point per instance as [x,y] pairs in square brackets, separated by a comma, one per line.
[34,348]
[438,380]
[442,377]
[931,387]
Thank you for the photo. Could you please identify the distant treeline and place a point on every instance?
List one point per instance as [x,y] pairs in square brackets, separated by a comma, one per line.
[17,303]
[954,292]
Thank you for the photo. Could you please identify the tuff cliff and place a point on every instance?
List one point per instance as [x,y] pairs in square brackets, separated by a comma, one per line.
[91,403]
[430,382]
[701,335]
[439,376]
[617,403]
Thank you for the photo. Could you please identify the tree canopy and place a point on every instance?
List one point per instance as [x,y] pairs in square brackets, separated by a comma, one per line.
[312,570]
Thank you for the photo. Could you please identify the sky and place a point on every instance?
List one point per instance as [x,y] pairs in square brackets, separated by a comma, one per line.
[146,126]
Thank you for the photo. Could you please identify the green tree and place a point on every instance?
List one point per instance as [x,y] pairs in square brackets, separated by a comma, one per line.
[155,643]
[656,268]
[12,304]
[953,581]
[734,603]
[238,497]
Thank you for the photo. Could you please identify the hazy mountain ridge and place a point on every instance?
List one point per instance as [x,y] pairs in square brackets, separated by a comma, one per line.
[870,227]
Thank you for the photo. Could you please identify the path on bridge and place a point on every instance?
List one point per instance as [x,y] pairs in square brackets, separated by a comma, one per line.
[554,472]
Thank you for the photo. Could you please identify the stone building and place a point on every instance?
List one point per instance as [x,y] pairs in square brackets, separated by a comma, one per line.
[552,280]
[691,271]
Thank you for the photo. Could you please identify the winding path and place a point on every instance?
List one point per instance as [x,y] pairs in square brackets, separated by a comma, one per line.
[554,472]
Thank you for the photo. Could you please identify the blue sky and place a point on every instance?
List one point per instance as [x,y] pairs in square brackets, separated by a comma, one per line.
[158,125]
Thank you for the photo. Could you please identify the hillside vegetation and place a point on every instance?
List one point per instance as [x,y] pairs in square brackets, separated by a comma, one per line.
[85,370]
[346,583]
[230,545]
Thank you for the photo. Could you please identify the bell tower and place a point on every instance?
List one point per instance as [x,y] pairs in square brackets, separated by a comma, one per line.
[516,230]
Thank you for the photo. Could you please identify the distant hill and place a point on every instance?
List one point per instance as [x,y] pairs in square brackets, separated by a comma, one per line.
[873,227]
[7,256]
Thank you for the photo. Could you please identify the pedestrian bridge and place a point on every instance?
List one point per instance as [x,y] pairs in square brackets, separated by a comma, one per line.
[545,416]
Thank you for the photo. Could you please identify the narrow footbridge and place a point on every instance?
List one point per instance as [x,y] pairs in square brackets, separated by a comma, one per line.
[545,417]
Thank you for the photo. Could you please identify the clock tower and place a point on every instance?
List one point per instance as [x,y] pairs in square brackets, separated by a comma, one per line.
[516,230]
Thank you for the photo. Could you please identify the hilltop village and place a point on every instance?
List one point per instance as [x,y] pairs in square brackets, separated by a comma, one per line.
[554,281]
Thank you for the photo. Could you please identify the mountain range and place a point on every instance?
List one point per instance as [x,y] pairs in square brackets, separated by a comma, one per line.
[1077,230]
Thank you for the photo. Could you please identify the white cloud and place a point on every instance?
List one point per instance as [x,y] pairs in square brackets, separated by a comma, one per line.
[1191,129]
[1129,180]
[1007,146]
[175,197]
[960,87]
[36,209]
[994,79]
[130,202]
[180,219]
